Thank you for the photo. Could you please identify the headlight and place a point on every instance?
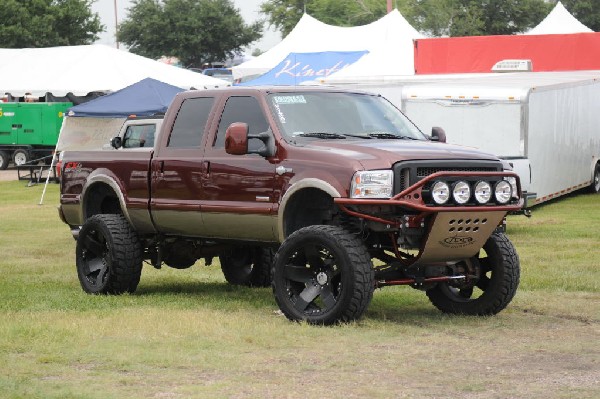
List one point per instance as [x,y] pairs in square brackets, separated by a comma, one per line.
[372,184]
[503,191]
[440,192]
[513,185]
[461,192]
[483,192]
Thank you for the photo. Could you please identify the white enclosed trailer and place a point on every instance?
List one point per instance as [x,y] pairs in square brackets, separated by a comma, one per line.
[546,124]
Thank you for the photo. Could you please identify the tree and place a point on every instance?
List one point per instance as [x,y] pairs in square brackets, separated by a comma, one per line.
[434,17]
[586,11]
[195,31]
[475,17]
[285,14]
[47,23]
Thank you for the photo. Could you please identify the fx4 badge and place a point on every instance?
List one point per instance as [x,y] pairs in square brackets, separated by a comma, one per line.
[457,242]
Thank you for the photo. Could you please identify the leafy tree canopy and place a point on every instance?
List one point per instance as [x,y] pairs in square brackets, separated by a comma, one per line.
[434,17]
[285,14]
[47,23]
[586,11]
[195,31]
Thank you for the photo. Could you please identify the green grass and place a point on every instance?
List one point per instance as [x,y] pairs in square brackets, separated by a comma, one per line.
[186,333]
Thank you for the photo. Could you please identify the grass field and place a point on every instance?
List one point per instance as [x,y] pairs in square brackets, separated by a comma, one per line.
[186,333]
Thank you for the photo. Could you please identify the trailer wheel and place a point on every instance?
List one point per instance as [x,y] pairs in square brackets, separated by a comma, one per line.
[323,275]
[108,255]
[4,160]
[498,274]
[595,186]
[248,266]
[21,157]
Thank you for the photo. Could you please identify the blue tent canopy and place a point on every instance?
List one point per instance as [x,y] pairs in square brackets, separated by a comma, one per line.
[144,98]
[301,67]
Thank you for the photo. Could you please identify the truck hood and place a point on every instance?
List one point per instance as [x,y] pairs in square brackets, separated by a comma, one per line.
[377,153]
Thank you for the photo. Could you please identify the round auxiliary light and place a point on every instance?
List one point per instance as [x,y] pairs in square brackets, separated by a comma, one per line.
[461,192]
[483,192]
[440,192]
[503,191]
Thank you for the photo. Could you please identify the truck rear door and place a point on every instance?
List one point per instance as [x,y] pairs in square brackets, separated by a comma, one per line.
[177,167]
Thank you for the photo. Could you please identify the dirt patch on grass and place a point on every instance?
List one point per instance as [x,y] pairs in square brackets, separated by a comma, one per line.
[8,175]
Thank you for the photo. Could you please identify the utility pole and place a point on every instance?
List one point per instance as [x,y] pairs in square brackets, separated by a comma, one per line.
[117,24]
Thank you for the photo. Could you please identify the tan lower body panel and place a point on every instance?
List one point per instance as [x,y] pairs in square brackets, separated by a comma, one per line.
[458,235]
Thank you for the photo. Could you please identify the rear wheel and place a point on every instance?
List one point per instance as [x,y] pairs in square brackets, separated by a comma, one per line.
[324,275]
[248,266]
[492,284]
[108,255]
[21,157]
[595,186]
[4,160]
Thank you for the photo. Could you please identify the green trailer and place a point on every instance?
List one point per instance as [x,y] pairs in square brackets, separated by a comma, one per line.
[29,131]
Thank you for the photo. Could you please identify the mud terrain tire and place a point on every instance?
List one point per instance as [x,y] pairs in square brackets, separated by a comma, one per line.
[248,266]
[497,285]
[108,255]
[323,275]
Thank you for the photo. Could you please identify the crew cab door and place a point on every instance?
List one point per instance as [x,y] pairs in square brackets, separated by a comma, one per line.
[238,200]
[178,166]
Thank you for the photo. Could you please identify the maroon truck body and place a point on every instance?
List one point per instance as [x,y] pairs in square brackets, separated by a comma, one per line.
[230,177]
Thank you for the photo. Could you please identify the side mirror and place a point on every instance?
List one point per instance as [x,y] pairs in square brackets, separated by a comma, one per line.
[116,142]
[438,134]
[236,139]
[237,136]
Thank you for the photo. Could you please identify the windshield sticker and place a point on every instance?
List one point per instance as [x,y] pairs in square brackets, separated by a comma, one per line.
[298,99]
[279,113]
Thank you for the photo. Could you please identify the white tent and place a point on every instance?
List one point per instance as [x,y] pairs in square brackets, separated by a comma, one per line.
[389,41]
[559,21]
[84,69]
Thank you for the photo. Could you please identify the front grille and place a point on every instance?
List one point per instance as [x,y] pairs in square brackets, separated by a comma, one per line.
[411,172]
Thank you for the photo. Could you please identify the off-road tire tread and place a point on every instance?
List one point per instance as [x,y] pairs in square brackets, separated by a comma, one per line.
[259,276]
[489,303]
[126,249]
[261,272]
[362,291]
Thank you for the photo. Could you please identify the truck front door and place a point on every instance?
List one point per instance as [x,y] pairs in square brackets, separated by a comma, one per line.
[238,190]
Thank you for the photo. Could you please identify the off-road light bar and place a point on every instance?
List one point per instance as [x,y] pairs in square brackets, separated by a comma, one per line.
[503,191]
[483,192]
[461,192]
[440,192]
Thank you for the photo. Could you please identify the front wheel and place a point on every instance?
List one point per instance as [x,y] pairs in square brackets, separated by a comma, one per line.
[492,283]
[248,266]
[324,275]
[108,255]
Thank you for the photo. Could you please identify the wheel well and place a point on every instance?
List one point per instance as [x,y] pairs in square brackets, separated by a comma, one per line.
[101,198]
[307,207]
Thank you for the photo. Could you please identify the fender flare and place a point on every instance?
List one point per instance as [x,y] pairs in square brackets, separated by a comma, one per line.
[302,184]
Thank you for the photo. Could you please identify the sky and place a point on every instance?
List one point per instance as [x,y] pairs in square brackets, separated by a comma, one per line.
[249,9]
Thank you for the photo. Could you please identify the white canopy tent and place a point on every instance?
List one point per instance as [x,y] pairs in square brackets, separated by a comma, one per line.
[559,21]
[389,41]
[84,69]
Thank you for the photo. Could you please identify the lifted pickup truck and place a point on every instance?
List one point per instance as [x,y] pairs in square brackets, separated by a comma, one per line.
[323,194]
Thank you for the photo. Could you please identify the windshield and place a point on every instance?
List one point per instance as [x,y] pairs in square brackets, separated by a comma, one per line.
[327,115]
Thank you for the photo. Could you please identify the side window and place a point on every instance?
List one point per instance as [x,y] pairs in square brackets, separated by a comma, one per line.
[190,123]
[139,136]
[242,109]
